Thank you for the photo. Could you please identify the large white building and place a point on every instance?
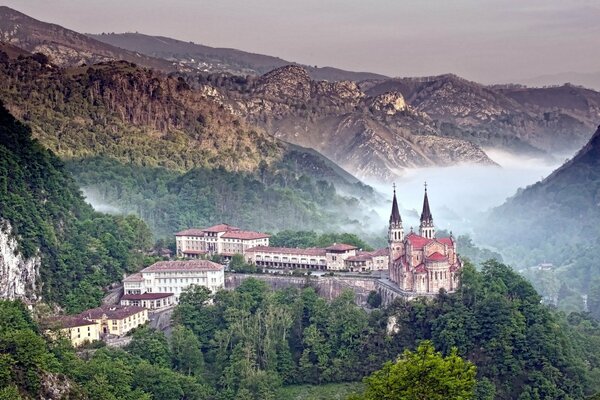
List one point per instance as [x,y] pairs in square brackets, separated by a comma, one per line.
[175,276]
[222,239]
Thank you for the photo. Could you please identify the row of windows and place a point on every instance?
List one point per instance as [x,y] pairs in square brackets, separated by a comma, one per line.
[293,259]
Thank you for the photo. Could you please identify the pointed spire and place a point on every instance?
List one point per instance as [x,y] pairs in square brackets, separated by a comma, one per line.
[395,216]
[426,214]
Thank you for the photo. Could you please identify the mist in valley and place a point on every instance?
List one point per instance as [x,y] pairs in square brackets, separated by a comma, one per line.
[459,196]
[93,198]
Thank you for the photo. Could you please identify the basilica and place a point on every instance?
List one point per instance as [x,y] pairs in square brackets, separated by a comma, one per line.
[421,264]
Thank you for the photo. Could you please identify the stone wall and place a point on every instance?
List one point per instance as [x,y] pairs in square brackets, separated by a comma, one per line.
[328,287]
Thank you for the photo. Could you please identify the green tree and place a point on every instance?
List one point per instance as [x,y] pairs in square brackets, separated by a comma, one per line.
[422,375]
[150,345]
[186,354]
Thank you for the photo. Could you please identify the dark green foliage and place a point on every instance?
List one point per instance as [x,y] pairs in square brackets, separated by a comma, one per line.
[81,250]
[255,340]
[304,239]
[150,345]
[374,299]
[170,201]
[497,322]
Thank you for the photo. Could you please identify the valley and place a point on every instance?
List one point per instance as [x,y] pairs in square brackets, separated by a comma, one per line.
[129,160]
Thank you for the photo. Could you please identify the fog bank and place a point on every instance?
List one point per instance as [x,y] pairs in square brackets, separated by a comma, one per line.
[459,195]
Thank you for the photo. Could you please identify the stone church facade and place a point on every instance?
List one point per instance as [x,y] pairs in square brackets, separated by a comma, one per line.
[421,264]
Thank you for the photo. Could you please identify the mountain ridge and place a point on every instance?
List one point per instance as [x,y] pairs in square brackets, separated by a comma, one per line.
[219,60]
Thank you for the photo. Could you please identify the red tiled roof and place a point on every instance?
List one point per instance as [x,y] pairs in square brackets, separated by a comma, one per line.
[437,257]
[446,240]
[67,321]
[221,228]
[310,252]
[365,256]
[189,265]
[137,277]
[420,269]
[245,235]
[418,242]
[111,312]
[381,252]
[194,252]
[191,232]
[340,247]
[146,296]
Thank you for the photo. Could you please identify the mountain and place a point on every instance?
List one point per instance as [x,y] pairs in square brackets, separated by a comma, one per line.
[165,146]
[590,79]
[64,46]
[218,60]
[556,220]
[370,136]
[519,119]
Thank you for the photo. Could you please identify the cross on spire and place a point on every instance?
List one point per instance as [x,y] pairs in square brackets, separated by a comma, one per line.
[394,185]
[425,185]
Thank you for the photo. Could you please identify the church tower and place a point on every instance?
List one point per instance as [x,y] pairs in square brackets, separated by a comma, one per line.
[395,231]
[426,228]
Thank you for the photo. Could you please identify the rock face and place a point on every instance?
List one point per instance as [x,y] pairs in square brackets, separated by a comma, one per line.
[18,276]
[373,137]
[511,117]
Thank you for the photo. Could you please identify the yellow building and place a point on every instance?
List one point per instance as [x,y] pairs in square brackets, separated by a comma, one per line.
[78,330]
[116,320]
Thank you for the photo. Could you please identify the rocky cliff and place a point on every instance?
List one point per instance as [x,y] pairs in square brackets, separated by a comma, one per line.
[515,118]
[371,136]
[19,276]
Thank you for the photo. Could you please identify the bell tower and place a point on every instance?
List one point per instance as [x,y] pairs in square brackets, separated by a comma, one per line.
[426,228]
[395,231]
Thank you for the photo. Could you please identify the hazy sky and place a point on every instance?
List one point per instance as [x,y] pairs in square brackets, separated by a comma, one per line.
[483,40]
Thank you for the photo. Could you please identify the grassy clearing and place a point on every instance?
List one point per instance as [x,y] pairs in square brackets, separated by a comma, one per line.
[332,391]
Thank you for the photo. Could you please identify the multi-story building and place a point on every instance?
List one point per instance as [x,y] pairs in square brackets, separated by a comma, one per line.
[338,257]
[222,239]
[78,330]
[151,301]
[116,319]
[287,257]
[365,261]
[421,264]
[173,277]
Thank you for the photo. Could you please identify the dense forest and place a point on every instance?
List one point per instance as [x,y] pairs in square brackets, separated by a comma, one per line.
[81,250]
[271,200]
[253,343]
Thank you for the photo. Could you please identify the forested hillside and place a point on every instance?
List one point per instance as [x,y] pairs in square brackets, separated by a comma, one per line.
[272,200]
[557,221]
[148,144]
[251,343]
[81,250]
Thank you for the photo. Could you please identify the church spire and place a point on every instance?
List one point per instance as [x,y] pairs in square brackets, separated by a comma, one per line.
[426,229]
[395,232]
[395,215]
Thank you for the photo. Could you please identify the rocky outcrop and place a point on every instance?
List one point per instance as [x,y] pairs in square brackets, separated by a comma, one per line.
[18,276]
[389,103]
[373,137]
